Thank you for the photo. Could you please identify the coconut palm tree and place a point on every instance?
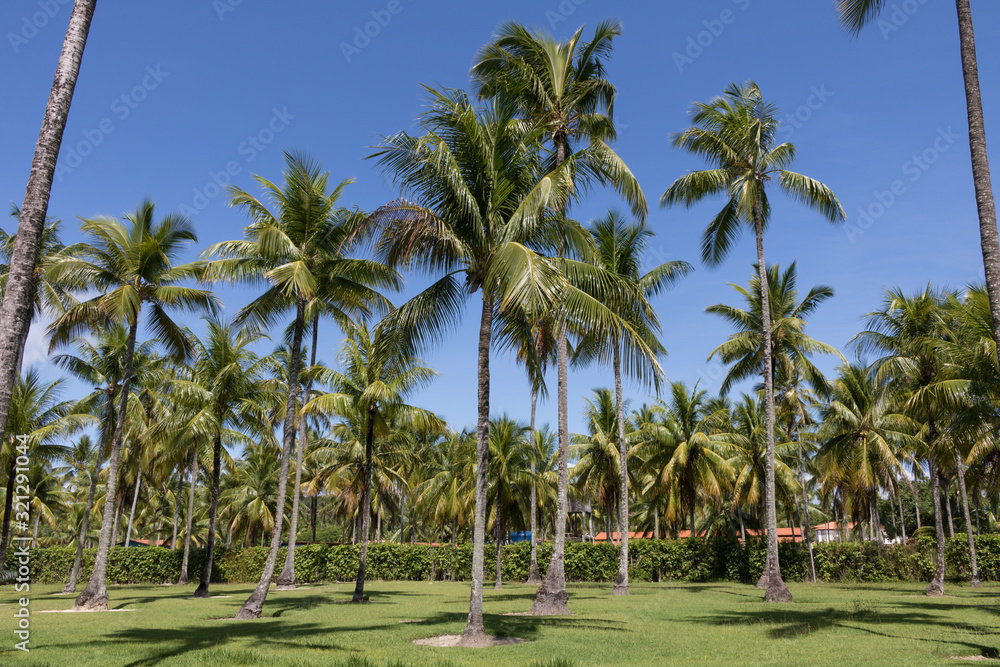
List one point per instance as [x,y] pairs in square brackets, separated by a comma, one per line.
[561,86]
[19,292]
[854,15]
[378,375]
[510,479]
[736,133]
[907,331]
[224,403]
[483,206]
[620,249]
[129,265]
[288,249]
[99,364]
[598,468]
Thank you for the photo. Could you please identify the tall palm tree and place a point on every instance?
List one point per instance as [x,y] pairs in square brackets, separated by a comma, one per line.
[130,264]
[854,15]
[287,249]
[907,331]
[597,471]
[736,133]
[99,364]
[562,87]
[224,403]
[483,204]
[620,249]
[378,375]
[19,293]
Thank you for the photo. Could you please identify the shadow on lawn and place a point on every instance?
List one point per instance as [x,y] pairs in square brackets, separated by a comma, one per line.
[525,627]
[788,622]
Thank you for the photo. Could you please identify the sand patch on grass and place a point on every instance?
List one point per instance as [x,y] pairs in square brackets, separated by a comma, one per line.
[448,641]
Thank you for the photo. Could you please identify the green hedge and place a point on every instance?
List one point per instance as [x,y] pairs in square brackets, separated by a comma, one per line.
[649,560]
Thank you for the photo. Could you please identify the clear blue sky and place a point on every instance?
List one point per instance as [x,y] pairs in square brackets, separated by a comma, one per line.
[171,94]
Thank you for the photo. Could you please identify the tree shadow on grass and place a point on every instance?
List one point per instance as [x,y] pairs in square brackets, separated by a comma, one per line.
[789,622]
[525,627]
[173,642]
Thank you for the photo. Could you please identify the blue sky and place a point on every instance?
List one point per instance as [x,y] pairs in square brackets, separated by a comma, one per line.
[172,96]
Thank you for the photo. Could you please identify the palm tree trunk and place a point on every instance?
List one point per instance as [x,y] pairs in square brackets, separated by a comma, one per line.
[551,598]
[95,595]
[776,589]
[8,505]
[177,506]
[183,580]
[916,503]
[135,501]
[34,532]
[902,519]
[656,523]
[534,576]
[18,307]
[621,580]
[252,608]
[365,508]
[312,514]
[74,574]
[286,580]
[475,633]
[980,164]
[946,490]
[974,581]
[936,587]
[498,584]
[805,527]
[213,515]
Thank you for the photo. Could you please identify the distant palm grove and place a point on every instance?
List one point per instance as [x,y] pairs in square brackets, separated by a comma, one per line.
[193,430]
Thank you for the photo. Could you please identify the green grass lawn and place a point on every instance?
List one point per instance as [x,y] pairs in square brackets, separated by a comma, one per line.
[670,623]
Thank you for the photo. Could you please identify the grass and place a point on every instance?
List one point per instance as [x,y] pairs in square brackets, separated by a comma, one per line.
[670,623]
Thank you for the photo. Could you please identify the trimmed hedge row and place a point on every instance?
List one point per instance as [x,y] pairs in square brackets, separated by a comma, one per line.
[692,559]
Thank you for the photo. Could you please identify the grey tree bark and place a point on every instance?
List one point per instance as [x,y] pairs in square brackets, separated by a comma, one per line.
[621,580]
[365,508]
[974,581]
[254,605]
[936,587]
[475,632]
[534,576]
[183,580]
[18,302]
[135,501]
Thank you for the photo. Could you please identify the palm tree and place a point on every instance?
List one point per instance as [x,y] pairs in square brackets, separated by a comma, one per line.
[908,331]
[620,249]
[288,250]
[222,403]
[19,293]
[483,204]
[129,265]
[38,420]
[510,479]
[379,374]
[561,86]
[855,14]
[736,133]
[598,467]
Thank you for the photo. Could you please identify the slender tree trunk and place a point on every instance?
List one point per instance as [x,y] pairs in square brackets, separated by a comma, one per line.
[776,590]
[805,527]
[74,574]
[286,580]
[213,517]
[946,491]
[974,581]
[743,530]
[252,608]
[119,508]
[8,500]
[18,307]
[365,509]
[34,532]
[95,595]
[980,164]
[902,519]
[177,506]
[534,576]
[936,587]
[916,503]
[183,580]
[656,523]
[135,501]
[312,514]
[475,633]
[498,584]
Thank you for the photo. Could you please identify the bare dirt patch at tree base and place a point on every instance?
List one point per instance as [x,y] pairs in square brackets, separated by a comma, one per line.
[971,657]
[448,641]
